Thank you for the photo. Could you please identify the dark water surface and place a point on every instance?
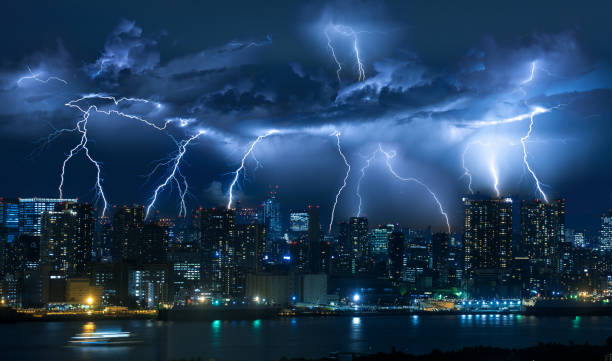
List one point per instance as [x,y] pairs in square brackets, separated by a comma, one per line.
[298,337]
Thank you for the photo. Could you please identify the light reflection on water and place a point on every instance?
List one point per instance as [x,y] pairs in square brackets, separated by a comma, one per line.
[309,337]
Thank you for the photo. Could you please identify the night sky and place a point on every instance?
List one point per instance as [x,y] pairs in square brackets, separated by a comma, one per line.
[447,86]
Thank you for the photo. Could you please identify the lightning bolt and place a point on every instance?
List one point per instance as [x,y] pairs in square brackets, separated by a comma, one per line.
[242,163]
[182,183]
[391,155]
[74,104]
[346,31]
[36,76]
[363,172]
[241,45]
[348,171]
[81,127]
[531,75]
[494,174]
[530,115]
[333,53]
[537,110]
[466,170]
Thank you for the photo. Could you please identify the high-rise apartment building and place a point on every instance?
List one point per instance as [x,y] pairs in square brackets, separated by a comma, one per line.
[358,240]
[127,233]
[67,238]
[218,249]
[487,234]
[543,230]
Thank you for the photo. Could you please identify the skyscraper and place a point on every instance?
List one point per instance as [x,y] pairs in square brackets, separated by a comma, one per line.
[343,257]
[487,235]
[154,247]
[542,236]
[218,251]
[250,247]
[441,250]
[67,238]
[605,232]
[273,223]
[358,238]
[127,233]
[298,222]
[30,213]
[314,238]
[379,239]
[9,217]
[543,230]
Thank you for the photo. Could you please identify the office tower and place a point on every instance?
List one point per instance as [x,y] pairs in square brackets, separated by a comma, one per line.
[154,247]
[358,238]
[298,222]
[247,215]
[24,253]
[30,212]
[250,247]
[343,256]
[379,238]
[218,251]
[186,270]
[441,250]
[149,284]
[127,233]
[542,235]
[565,257]
[487,235]
[67,238]
[543,230]
[326,249]
[395,248]
[579,240]
[314,238]
[274,225]
[9,217]
[605,232]
[103,245]
[569,235]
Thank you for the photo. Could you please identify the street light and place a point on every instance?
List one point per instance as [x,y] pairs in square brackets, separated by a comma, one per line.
[356,297]
[90,300]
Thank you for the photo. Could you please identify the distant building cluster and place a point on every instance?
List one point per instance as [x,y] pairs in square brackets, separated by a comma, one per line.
[57,253]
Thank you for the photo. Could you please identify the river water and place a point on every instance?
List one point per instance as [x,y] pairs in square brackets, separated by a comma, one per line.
[297,337]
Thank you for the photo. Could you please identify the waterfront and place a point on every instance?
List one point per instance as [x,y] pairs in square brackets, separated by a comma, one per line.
[298,337]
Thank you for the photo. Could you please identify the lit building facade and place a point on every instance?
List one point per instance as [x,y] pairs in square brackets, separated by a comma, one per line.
[487,235]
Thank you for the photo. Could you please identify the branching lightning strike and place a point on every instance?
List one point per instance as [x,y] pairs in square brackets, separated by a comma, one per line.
[358,189]
[524,139]
[242,165]
[391,155]
[346,31]
[81,127]
[174,175]
[348,171]
[36,76]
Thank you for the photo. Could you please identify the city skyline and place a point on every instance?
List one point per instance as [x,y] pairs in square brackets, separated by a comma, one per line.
[383,119]
[306,180]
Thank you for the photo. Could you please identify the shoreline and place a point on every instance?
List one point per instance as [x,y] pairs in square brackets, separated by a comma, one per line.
[195,314]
